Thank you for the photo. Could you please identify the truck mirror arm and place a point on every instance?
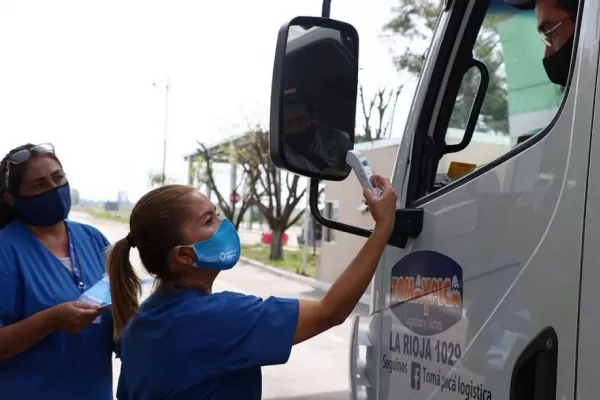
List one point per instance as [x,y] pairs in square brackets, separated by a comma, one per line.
[408,224]
[326,9]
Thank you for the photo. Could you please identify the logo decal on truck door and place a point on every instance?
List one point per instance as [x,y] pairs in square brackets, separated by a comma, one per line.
[415,376]
[427,292]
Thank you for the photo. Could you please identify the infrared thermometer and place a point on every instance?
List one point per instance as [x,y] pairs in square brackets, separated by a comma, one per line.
[360,165]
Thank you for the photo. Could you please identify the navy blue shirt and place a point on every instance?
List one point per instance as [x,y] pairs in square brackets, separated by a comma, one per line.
[189,345]
[60,366]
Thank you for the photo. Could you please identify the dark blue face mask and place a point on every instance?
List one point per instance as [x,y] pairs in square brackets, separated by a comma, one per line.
[46,209]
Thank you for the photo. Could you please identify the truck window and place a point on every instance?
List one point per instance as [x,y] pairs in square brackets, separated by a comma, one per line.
[520,100]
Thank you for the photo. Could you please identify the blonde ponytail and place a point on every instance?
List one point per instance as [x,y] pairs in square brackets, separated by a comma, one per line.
[125,286]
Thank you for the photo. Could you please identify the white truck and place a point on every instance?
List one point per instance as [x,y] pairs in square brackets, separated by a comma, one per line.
[487,289]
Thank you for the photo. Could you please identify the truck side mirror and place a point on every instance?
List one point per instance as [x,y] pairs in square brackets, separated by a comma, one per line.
[313,97]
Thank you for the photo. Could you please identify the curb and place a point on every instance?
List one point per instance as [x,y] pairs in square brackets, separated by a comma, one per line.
[317,284]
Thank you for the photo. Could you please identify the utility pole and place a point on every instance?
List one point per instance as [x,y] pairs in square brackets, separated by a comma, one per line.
[191,176]
[164,167]
[305,226]
[325,13]
[233,176]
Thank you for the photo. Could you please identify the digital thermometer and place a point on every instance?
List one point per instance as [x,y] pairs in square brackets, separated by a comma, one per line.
[360,165]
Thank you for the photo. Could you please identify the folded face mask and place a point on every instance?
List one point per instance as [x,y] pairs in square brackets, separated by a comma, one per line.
[98,295]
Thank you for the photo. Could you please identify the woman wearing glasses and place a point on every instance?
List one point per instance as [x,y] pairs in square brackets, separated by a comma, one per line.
[51,346]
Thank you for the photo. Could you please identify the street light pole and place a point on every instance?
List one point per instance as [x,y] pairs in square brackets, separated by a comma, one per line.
[306,219]
[164,167]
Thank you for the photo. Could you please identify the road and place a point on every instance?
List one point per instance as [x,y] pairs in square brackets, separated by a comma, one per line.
[317,369]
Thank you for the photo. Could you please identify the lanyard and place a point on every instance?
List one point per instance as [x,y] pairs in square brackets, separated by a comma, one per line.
[74,262]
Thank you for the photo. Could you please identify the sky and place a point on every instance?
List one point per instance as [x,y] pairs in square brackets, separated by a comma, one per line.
[90,78]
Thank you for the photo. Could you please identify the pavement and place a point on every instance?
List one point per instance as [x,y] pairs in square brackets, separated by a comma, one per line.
[317,369]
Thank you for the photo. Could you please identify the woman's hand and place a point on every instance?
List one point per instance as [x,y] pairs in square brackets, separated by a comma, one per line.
[318,316]
[382,208]
[73,316]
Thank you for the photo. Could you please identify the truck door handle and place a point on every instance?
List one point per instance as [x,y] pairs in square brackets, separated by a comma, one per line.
[534,374]
[484,83]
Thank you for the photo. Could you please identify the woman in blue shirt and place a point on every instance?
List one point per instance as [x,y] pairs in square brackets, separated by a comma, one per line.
[51,346]
[185,342]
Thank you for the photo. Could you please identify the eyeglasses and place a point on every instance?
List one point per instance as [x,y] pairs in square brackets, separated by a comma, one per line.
[22,156]
[545,35]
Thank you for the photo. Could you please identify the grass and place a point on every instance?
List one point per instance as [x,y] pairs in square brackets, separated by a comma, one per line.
[100,213]
[292,260]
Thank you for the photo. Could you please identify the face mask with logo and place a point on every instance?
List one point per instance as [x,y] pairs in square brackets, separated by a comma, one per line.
[221,251]
[558,64]
[46,209]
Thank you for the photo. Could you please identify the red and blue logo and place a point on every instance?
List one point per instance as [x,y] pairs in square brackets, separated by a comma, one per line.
[427,292]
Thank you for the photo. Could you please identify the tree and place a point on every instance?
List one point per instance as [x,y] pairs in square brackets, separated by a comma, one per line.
[155,179]
[415,20]
[276,207]
[376,127]
[206,174]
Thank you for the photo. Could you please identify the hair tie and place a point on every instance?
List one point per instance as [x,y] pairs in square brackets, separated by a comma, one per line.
[130,241]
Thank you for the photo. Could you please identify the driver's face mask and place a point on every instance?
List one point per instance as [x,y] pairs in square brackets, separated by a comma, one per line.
[558,64]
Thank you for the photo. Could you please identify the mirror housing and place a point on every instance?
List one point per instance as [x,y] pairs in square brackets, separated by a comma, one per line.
[314,97]
[313,113]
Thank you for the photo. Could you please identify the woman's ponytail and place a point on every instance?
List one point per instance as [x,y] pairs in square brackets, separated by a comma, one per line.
[156,224]
[125,286]
[7,212]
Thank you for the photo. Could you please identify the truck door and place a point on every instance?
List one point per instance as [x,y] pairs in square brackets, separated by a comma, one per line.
[588,384]
[484,303]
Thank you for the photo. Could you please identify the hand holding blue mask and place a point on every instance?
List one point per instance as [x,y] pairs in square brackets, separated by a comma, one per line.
[98,295]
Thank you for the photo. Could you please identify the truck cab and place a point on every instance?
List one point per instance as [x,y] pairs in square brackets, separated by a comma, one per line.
[487,288]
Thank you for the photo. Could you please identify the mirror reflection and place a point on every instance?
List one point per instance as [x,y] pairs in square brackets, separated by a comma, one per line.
[318,110]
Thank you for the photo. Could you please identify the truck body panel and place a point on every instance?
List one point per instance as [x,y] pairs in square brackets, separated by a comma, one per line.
[498,261]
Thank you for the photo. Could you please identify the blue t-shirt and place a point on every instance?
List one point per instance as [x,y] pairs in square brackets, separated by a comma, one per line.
[189,345]
[60,366]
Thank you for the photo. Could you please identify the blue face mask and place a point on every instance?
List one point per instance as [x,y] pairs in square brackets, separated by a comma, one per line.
[221,251]
[46,209]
